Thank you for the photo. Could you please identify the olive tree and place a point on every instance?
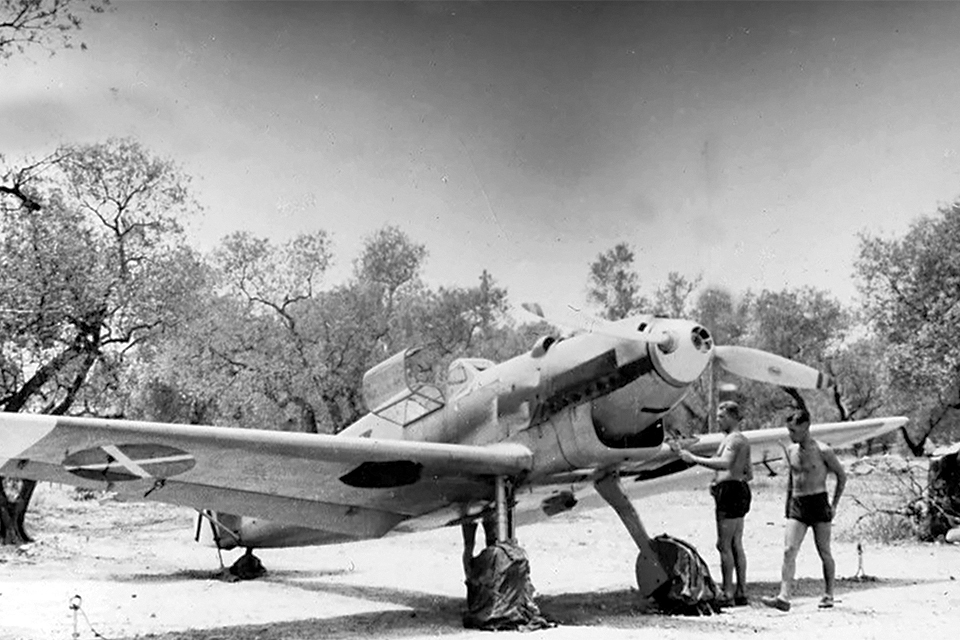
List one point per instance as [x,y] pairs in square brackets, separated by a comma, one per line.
[911,292]
[93,266]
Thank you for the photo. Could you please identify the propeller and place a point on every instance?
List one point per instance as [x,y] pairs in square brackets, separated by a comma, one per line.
[594,324]
[745,362]
[763,366]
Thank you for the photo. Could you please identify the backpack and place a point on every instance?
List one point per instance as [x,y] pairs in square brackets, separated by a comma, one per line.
[690,591]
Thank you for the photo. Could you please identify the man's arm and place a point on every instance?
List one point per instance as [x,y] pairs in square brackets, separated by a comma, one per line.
[836,468]
[717,463]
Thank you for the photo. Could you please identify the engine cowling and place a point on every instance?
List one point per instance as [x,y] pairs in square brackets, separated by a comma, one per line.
[629,416]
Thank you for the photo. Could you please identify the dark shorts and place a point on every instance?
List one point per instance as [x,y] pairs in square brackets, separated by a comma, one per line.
[810,510]
[732,498]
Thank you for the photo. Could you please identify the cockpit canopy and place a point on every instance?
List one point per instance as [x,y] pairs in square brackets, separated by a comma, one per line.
[402,389]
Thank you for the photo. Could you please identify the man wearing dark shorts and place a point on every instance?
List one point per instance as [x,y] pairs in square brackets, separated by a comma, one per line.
[731,493]
[732,498]
[808,506]
[810,510]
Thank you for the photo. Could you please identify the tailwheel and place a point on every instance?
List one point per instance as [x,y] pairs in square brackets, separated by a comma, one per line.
[247,566]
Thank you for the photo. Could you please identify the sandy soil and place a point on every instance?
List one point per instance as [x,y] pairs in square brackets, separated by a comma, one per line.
[138,573]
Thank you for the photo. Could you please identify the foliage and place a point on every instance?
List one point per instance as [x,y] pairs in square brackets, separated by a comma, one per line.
[93,267]
[726,318]
[803,324]
[44,23]
[614,285]
[460,321]
[861,379]
[673,298]
[911,293]
[889,493]
[278,348]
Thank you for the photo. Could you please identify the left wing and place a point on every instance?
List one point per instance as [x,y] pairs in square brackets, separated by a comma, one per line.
[664,470]
[768,444]
[359,487]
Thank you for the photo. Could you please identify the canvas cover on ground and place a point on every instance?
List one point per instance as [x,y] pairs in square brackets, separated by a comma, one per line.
[691,589]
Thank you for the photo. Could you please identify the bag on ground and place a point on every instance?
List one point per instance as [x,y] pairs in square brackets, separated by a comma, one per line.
[690,589]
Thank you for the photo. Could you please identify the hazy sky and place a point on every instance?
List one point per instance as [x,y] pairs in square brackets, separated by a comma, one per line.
[747,142]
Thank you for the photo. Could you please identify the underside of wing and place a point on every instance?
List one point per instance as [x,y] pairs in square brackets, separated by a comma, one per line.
[348,486]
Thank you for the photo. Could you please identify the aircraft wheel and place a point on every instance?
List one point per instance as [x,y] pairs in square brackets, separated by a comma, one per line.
[650,576]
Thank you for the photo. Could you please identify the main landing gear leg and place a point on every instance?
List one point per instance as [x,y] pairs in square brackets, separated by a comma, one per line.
[650,575]
[499,591]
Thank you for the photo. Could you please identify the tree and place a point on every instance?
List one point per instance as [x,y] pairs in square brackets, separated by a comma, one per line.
[725,318]
[44,23]
[804,324]
[673,299]
[458,321]
[861,387]
[614,285]
[911,291]
[93,266]
[279,348]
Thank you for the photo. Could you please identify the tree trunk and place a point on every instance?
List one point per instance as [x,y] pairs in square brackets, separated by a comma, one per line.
[13,512]
[943,496]
[916,448]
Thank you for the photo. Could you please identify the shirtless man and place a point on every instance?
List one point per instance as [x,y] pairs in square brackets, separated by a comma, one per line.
[808,506]
[731,493]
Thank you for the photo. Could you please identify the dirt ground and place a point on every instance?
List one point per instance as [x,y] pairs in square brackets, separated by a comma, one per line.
[138,573]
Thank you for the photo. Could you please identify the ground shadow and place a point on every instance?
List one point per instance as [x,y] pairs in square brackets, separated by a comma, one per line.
[420,613]
[184,575]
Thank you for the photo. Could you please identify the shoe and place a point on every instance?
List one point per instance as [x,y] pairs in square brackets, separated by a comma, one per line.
[776,603]
[740,601]
[826,602]
[724,602]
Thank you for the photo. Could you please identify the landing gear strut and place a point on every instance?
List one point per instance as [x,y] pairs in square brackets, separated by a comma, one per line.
[247,566]
[499,591]
[650,575]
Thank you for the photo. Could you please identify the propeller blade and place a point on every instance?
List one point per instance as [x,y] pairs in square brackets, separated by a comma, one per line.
[763,366]
[594,324]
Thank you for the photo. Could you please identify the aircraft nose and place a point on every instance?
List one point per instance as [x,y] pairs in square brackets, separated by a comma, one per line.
[692,347]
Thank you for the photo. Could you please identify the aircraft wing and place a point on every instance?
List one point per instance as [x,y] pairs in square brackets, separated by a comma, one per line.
[357,487]
[768,444]
[663,471]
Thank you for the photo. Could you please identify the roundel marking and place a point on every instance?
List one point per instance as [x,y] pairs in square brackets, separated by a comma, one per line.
[125,462]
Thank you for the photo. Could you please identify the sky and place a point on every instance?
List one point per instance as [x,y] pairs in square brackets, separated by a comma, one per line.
[750,143]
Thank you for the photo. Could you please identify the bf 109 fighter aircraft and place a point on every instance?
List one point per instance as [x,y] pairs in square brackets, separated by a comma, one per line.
[569,413]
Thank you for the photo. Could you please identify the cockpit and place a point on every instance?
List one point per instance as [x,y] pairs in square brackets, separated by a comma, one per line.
[402,388]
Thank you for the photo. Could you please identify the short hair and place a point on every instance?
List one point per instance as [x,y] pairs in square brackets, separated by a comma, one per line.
[800,416]
[731,408]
